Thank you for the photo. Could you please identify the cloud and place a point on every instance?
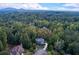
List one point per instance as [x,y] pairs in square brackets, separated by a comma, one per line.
[37,6]
[7,5]
[67,7]
[74,5]
[39,1]
[57,8]
[71,6]
[31,6]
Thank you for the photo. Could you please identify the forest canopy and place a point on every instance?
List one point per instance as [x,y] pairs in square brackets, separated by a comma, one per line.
[59,29]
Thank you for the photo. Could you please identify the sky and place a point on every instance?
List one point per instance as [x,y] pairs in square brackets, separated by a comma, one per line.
[42,6]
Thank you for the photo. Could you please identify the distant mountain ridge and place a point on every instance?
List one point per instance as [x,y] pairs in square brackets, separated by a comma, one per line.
[15,9]
[11,10]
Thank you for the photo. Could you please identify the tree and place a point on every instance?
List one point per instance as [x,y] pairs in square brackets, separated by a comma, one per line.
[1,46]
[32,32]
[73,48]
[42,23]
[13,39]
[3,37]
[26,42]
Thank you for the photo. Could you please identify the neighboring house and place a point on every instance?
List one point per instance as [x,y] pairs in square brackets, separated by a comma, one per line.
[41,47]
[39,41]
[17,50]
